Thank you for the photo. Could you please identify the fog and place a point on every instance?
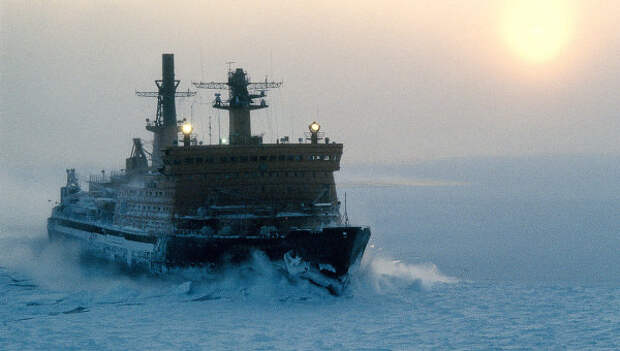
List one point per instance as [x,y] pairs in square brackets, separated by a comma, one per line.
[440,120]
[395,81]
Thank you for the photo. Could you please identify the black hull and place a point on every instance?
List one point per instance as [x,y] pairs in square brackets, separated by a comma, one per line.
[332,250]
[339,247]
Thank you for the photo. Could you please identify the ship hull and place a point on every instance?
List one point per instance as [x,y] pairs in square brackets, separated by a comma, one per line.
[332,250]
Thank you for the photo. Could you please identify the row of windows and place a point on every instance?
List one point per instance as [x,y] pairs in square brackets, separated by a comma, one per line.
[232,159]
[255,175]
[152,224]
[145,193]
[133,207]
[275,192]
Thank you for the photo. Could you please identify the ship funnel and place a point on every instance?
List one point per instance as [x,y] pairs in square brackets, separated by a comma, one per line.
[167,87]
[164,128]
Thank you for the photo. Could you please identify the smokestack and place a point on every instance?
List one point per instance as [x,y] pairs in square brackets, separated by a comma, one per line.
[168,90]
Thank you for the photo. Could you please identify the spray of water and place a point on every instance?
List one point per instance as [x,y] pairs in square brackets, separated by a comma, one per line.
[59,267]
[381,275]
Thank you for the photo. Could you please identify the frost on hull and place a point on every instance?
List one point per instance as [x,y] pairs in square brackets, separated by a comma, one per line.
[209,205]
[330,251]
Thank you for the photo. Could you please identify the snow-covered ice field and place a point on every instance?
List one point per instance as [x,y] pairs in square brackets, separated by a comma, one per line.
[481,266]
[389,306]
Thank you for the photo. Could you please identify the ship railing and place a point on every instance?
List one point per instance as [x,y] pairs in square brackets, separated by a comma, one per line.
[98,178]
[117,173]
[105,177]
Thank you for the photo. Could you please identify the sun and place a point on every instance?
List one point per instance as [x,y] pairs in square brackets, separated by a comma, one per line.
[538,30]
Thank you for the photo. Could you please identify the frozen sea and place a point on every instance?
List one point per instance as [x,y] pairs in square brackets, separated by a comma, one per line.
[471,255]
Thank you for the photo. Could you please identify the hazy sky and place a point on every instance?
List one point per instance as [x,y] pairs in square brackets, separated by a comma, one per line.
[396,81]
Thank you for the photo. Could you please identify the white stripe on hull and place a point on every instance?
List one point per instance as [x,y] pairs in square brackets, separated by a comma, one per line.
[109,247]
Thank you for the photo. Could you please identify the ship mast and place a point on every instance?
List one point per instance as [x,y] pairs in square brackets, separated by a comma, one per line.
[240,103]
[164,128]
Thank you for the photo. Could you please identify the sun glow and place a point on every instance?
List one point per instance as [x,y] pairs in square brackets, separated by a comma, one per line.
[538,30]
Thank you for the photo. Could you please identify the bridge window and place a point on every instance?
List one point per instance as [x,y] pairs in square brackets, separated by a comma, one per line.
[199,160]
[263,158]
[290,158]
[243,159]
[223,159]
[281,158]
[233,159]
[299,158]
[253,158]
[189,161]
[176,162]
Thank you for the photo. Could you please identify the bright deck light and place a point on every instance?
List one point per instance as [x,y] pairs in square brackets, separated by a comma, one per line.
[314,127]
[187,128]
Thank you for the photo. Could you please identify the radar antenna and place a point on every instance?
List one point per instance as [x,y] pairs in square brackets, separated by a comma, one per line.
[159,118]
[241,95]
